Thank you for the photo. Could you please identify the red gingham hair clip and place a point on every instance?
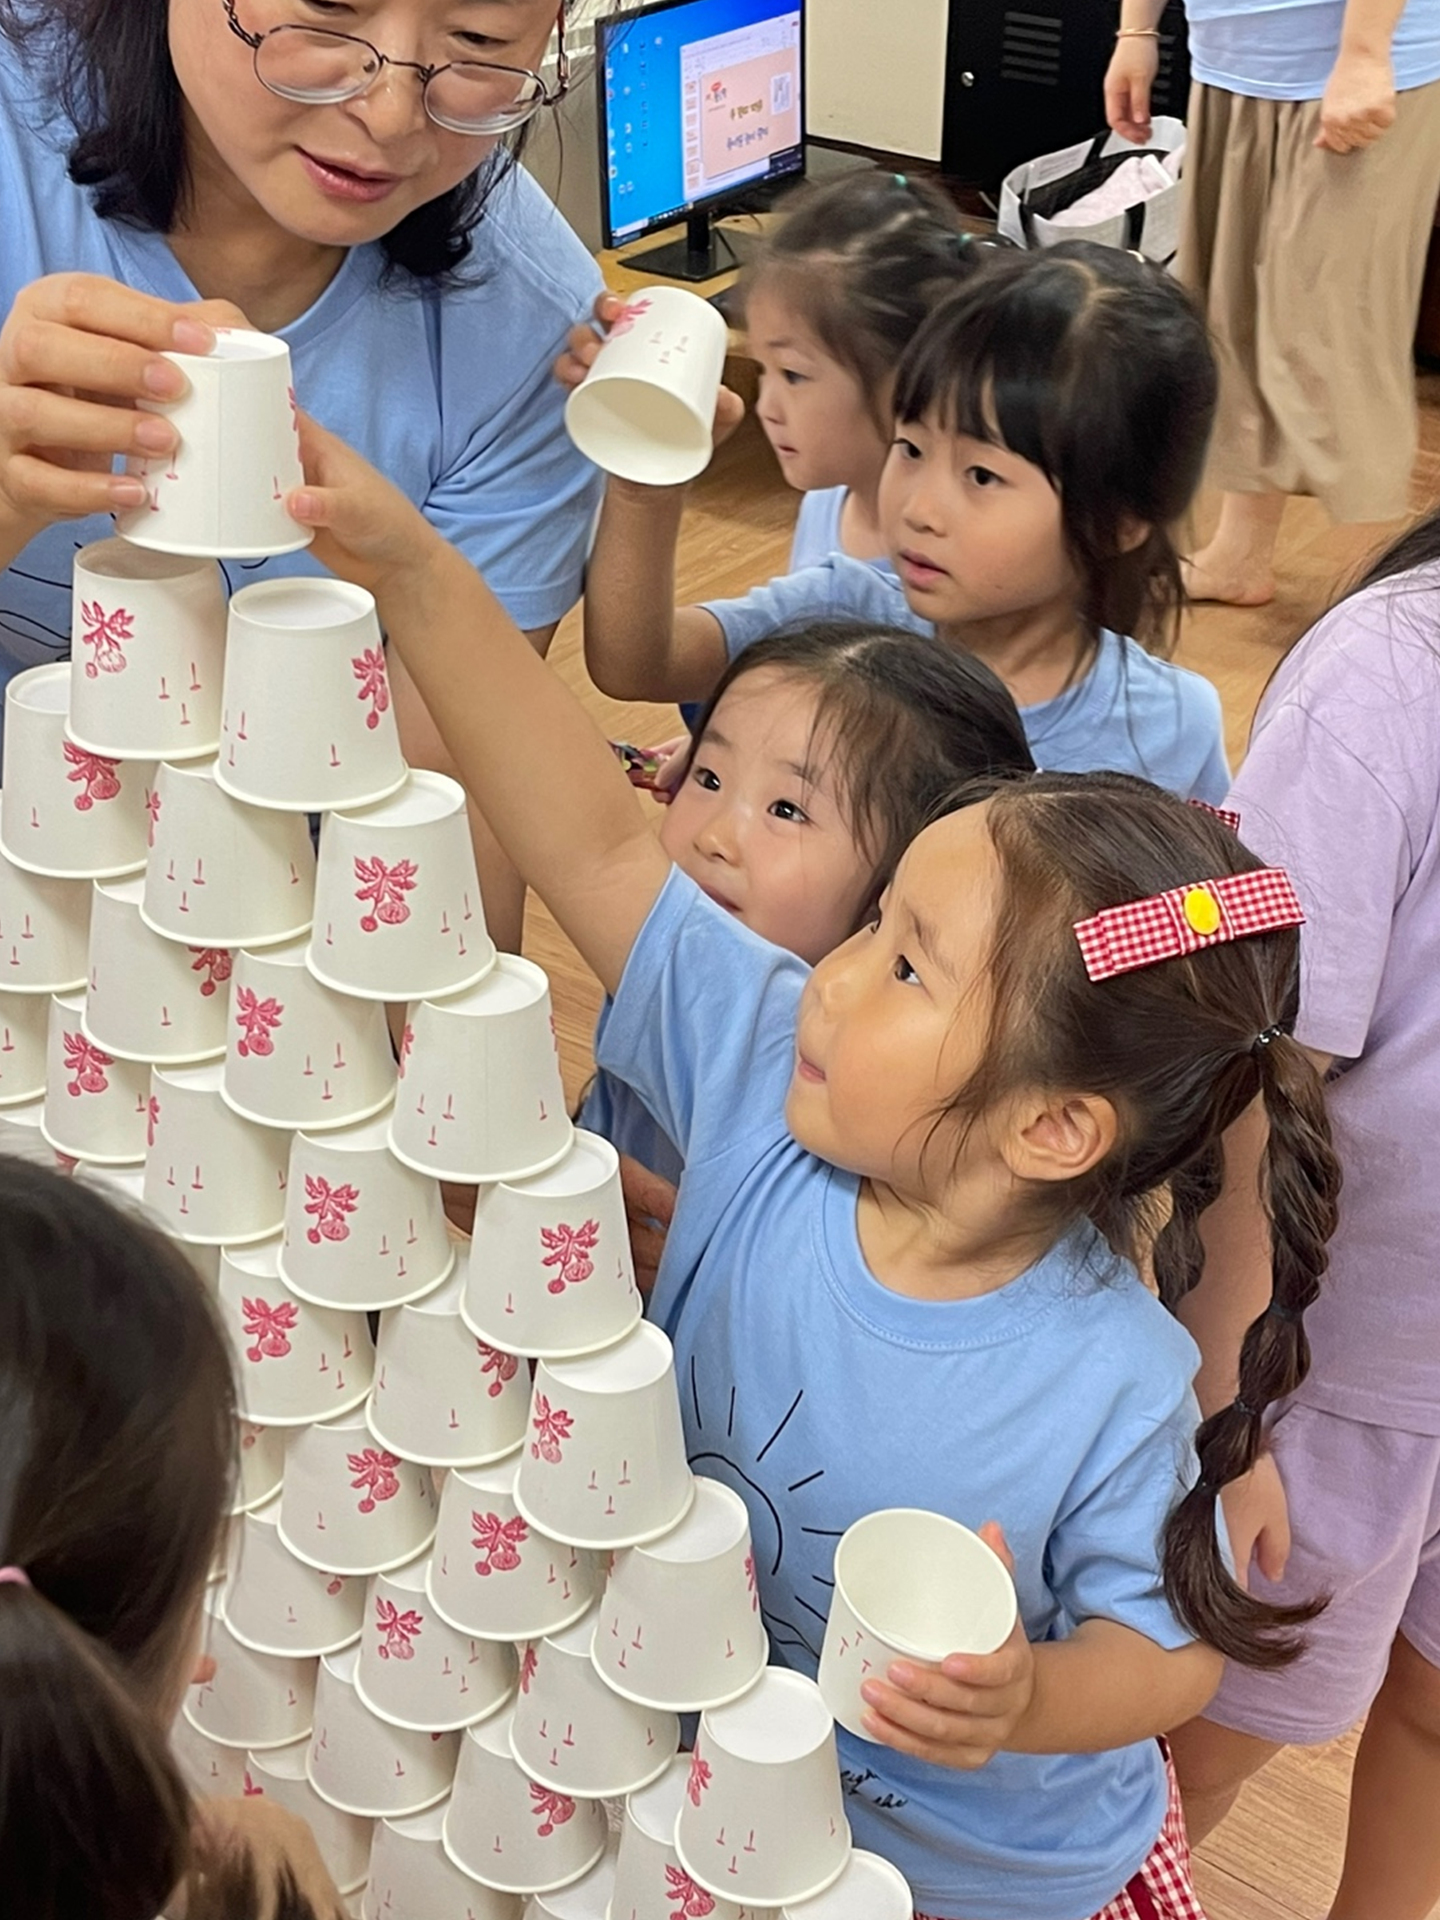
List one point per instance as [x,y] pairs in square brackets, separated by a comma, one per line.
[1225,815]
[1207,914]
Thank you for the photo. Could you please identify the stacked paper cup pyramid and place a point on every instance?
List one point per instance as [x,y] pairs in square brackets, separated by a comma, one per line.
[470,1582]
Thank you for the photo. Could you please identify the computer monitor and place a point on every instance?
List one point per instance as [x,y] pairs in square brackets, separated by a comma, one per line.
[699,100]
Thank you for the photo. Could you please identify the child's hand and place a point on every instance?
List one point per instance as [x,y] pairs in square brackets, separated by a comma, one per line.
[584,342]
[365,529]
[964,1711]
[649,1210]
[654,770]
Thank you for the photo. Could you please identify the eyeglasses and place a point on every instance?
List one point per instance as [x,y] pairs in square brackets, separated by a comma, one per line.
[316,67]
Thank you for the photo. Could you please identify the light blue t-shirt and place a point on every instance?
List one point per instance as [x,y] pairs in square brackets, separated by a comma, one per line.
[449,395]
[1130,713]
[817,527]
[1059,1405]
[1285,49]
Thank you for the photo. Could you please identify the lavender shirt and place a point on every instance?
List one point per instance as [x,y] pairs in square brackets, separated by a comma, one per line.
[1342,785]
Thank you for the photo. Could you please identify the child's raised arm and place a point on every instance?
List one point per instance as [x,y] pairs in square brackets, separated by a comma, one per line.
[542,775]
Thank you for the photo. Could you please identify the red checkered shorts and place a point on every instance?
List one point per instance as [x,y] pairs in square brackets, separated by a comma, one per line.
[1163,1888]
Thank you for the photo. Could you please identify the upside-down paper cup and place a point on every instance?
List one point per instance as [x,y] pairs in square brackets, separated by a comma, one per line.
[294,1363]
[252,1700]
[210,1770]
[222,492]
[413,1878]
[24,1026]
[646,409]
[679,1625]
[363,1765]
[398,914]
[415,1670]
[300,1055]
[869,1889]
[44,929]
[604,1465]
[147,651]
[493,1574]
[572,1732]
[763,1818]
[307,724]
[209,1174]
[442,1396]
[343,1838]
[151,999]
[480,1091]
[509,1832]
[262,1464]
[69,812]
[361,1228]
[352,1507]
[274,1603]
[95,1104]
[219,873]
[584,1899]
[909,1585]
[650,1883]
[550,1272]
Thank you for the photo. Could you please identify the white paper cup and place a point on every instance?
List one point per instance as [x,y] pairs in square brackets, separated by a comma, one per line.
[415,1670]
[585,1899]
[211,1771]
[294,1363]
[361,1229]
[909,1585]
[363,1765]
[646,410]
[869,1889]
[307,724]
[679,1625]
[147,651]
[570,1731]
[398,914]
[493,1574]
[254,1700]
[441,1396]
[509,1832]
[21,1136]
[604,1465]
[209,1174]
[222,492]
[44,929]
[550,1272]
[352,1507]
[69,812]
[763,1818]
[274,1603]
[24,1027]
[650,1883]
[95,1104]
[300,1055]
[412,1877]
[480,1091]
[343,1839]
[151,999]
[262,1463]
[219,873]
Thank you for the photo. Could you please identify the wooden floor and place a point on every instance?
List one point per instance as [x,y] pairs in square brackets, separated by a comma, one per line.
[1277,1857]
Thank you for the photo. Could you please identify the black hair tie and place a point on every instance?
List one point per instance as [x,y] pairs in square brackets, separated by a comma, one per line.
[1263,1039]
[1292,1316]
[1243,1406]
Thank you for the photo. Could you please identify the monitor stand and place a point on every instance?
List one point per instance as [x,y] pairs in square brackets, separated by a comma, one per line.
[706,252]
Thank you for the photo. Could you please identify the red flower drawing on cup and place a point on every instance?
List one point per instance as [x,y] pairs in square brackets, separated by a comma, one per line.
[553,1427]
[152,807]
[152,1115]
[384,888]
[107,634]
[550,1809]
[407,1042]
[529,1660]
[369,670]
[257,1020]
[504,1366]
[86,1064]
[624,321]
[328,1206]
[699,1778]
[751,1583]
[92,773]
[215,963]
[498,1542]
[570,1250]
[693,1901]
[269,1327]
[375,1475]
[397,1630]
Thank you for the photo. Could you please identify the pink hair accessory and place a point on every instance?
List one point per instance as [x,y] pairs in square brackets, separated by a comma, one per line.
[14,1577]
[1168,925]
[1225,815]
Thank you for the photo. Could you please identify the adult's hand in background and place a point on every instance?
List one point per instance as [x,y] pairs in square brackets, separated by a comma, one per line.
[1359,103]
[1129,81]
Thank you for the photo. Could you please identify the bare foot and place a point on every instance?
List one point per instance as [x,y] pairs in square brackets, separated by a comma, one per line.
[1214,578]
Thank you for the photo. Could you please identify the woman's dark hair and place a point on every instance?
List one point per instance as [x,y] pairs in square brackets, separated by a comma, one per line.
[905,717]
[108,65]
[1176,1048]
[1418,546]
[862,262]
[117,1441]
[1094,366]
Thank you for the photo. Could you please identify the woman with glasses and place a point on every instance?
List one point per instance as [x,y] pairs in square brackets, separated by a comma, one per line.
[340,174]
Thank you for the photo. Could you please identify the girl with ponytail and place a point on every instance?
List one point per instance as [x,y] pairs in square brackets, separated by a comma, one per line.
[117,1442]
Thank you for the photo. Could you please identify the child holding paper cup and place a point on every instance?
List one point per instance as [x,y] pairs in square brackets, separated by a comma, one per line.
[900,1270]
[118,1443]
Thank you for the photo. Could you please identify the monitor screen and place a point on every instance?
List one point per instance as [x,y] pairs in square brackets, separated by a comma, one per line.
[698,99]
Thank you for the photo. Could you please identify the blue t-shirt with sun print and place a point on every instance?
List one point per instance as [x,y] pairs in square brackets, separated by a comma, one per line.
[1059,1405]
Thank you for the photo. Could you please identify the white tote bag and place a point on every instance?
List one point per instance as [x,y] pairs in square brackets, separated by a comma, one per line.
[1035,193]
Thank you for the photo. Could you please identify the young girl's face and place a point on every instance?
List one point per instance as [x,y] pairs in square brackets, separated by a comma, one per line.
[974,531]
[757,822]
[814,411]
